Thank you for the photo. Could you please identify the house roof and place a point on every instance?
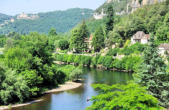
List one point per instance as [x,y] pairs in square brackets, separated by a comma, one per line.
[91,37]
[141,35]
[165,46]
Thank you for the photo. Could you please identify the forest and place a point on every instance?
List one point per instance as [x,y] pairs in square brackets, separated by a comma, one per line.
[62,21]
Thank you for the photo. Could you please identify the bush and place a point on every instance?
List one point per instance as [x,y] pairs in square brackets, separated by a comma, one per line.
[107,62]
[113,52]
[76,74]
[63,44]
[94,61]
[101,60]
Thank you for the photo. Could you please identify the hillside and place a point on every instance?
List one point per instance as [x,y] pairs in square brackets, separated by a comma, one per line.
[4,17]
[63,21]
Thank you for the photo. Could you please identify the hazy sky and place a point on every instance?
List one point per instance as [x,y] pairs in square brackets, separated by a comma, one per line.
[13,7]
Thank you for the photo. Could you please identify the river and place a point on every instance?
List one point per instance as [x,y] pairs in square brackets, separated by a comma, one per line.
[77,99]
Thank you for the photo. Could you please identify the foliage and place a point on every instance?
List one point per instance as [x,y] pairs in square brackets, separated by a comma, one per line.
[18,58]
[110,19]
[33,80]
[98,40]
[152,74]
[78,37]
[62,21]
[13,88]
[76,74]
[52,32]
[135,48]
[123,97]
[113,52]
[129,63]
[29,68]
[63,44]
[3,39]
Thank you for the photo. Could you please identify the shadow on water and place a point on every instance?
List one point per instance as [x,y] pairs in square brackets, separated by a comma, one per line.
[77,99]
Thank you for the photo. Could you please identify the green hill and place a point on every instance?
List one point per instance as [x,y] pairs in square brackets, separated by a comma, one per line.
[4,17]
[63,21]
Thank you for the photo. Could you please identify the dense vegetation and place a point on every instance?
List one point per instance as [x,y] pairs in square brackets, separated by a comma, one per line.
[129,63]
[27,69]
[122,97]
[4,17]
[62,21]
[152,74]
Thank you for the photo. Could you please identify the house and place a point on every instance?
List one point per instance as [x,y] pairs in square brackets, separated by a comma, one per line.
[140,37]
[163,48]
[89,42]
[99,15]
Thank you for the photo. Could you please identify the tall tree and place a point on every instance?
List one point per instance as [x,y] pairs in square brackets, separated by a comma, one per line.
[110,19]
[98,40]
[78,38]
[152,74]
[84,33]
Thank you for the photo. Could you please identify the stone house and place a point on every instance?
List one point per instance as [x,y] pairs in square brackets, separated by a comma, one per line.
[163,48]
[140,37]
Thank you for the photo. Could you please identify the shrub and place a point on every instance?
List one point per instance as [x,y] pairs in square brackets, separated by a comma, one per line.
[63,44]
[76,74]
[101,60]
[113,52]
[107,61]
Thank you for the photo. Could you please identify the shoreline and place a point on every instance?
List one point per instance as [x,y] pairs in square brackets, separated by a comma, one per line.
[63,87]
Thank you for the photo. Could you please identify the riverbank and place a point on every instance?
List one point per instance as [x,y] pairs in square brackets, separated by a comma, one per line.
[64,87]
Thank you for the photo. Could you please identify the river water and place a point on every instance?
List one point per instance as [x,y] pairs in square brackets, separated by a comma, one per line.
[77,99]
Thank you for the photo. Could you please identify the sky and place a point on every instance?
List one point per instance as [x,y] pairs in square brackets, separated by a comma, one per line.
[13,7]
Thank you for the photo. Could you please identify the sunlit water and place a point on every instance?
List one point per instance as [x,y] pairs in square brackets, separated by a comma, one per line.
[77,99]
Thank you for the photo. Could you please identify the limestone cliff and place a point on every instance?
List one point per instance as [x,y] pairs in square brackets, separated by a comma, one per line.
[135,4]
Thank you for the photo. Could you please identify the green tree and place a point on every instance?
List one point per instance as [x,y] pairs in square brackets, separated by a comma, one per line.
[110,19]
[78,37]
[63,44]
[33,81]
[152,74]
[52,32]
[13,88]
[98,40]
[76,74]
[123,97]
[18,58]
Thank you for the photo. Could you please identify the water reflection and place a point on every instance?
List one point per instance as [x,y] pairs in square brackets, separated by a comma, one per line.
[77,99]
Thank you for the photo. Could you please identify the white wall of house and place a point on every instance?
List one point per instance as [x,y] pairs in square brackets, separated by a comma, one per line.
[144,41]
[132,41]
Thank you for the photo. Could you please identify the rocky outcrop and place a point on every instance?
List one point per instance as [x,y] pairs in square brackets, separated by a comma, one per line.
[135,4]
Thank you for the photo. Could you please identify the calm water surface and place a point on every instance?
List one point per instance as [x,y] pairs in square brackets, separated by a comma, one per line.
[77,99]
